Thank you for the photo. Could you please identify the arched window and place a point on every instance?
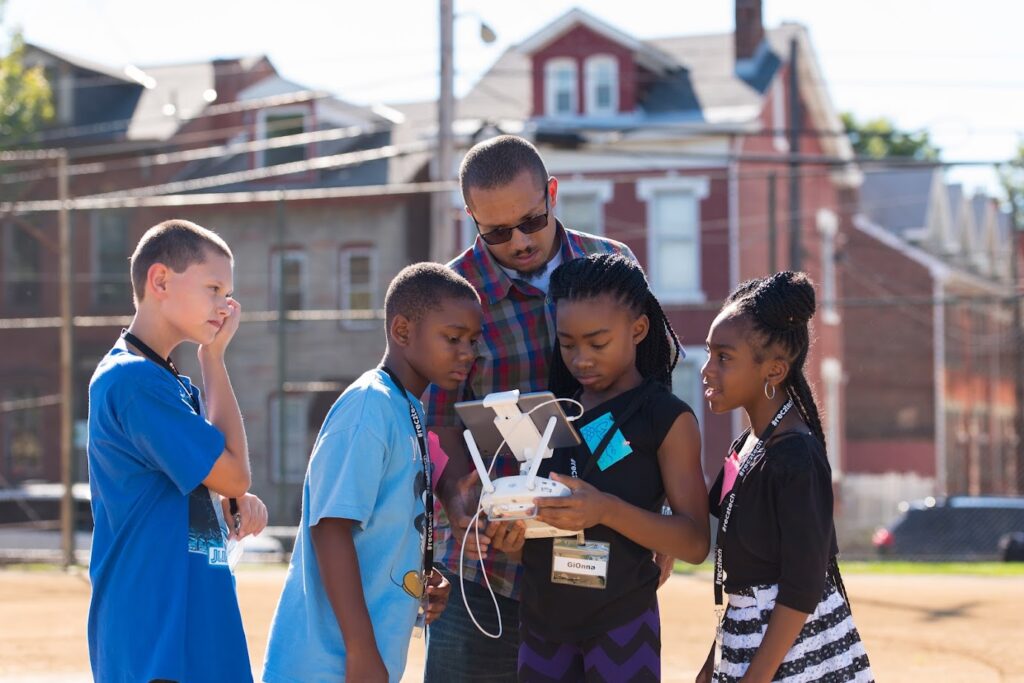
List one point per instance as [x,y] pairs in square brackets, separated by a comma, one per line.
[560,92]
[602,85]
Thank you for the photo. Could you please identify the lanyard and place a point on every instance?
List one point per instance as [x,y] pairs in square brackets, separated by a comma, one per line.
[168,365]
[748,464]
[421,438]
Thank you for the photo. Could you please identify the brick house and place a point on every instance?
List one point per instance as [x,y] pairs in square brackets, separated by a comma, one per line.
[672,146]
[929,344]
[334,252]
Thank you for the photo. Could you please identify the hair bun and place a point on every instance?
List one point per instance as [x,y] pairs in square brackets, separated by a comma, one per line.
[785,300]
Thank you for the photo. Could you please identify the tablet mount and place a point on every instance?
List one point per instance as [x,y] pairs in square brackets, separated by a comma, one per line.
[512,498]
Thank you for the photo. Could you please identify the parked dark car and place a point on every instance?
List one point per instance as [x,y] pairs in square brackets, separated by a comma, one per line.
[955,528]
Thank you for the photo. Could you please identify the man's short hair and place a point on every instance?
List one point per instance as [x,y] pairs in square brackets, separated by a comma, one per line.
[497,162]
[425,286]
[177,244]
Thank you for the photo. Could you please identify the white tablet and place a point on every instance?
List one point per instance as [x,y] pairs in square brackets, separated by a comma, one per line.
[480,420]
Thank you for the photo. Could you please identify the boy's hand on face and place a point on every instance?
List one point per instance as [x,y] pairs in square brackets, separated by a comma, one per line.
[220,342]
[438,588]
[252,514]
[364,665]
[583,509]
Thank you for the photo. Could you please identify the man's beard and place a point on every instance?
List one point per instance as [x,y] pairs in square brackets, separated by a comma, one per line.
[531,274]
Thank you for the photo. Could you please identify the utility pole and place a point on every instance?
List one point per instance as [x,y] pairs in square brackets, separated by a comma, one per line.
[795,248]
[442,239]
[1018,338]
[67,503]
[281,438]
[773,227]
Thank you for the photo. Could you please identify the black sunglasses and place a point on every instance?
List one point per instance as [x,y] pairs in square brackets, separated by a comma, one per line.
[527,227]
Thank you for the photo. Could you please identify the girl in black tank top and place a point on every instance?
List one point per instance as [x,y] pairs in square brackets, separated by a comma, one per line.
[641,449]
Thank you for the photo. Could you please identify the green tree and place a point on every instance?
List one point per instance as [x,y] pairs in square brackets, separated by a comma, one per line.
[1012,177]
[25,98]
[880,139]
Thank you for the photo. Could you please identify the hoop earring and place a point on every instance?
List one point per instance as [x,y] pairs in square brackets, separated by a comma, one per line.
[766,385]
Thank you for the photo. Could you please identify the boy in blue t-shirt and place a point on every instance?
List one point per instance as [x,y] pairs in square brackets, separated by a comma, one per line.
[360,569]
[163,598]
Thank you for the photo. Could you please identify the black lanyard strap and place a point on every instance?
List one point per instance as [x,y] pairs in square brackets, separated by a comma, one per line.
[753,458]
[166,363]
[421,438]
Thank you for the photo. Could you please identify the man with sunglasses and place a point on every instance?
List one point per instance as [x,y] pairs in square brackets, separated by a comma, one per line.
[512,200]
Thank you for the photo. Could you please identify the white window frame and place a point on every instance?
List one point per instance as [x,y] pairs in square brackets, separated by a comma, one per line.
[601,190]
[694,355]
[592,68]
[275,275]
[551,82]
[261,126]
[647,190]
[832,378]
[345,288]
[293,473]
[780,140]
[828,228]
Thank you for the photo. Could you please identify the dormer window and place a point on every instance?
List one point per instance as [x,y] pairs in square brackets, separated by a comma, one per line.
[602,85]
[560,82]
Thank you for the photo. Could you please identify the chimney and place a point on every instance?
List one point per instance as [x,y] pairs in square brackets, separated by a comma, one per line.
[749,28]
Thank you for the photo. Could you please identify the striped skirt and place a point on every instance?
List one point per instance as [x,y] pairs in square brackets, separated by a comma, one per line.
[828,648]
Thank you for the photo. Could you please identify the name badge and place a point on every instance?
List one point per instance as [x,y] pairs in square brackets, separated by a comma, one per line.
[575,564]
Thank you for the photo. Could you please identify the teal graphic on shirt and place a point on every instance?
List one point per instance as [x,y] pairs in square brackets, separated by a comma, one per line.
[617,448]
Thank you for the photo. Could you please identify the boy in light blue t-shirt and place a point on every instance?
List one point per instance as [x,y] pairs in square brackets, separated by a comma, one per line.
[165,473]
[360,570]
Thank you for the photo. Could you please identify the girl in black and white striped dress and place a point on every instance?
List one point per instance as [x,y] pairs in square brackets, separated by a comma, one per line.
[788,618]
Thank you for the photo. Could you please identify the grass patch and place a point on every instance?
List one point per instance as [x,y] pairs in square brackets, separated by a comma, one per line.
[934,568]
[896,568]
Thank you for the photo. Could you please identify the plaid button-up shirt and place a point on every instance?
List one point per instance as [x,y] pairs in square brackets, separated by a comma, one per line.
[513,353]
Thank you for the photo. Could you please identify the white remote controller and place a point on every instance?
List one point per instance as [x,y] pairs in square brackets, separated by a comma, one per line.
[512,499]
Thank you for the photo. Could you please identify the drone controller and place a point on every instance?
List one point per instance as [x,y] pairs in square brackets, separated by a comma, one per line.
[512,498]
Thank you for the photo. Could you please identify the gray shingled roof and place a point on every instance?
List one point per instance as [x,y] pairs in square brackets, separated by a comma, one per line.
[897,199]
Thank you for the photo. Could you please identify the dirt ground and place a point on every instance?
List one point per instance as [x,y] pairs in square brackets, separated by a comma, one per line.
[916,628]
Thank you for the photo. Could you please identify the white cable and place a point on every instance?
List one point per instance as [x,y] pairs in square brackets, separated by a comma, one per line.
[473,524]
[483,570]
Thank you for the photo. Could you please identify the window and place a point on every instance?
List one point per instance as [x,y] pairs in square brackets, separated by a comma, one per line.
[293,263]
[581,204]
[110,269]
[780,126]
[832,378]
[828,226]
[673,236]
[560,83]
[602,85]
[279,123]
[24,437]
[358,294]
[581,212]
[296,437]
[23,267]
[687,383]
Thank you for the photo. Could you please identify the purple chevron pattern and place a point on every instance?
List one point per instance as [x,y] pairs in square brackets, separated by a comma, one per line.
[631,652]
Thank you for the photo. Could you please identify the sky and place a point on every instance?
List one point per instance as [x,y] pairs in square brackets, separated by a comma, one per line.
[954,68]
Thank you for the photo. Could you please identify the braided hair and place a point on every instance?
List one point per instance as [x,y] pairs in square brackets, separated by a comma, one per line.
[779,308]
[622,279]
